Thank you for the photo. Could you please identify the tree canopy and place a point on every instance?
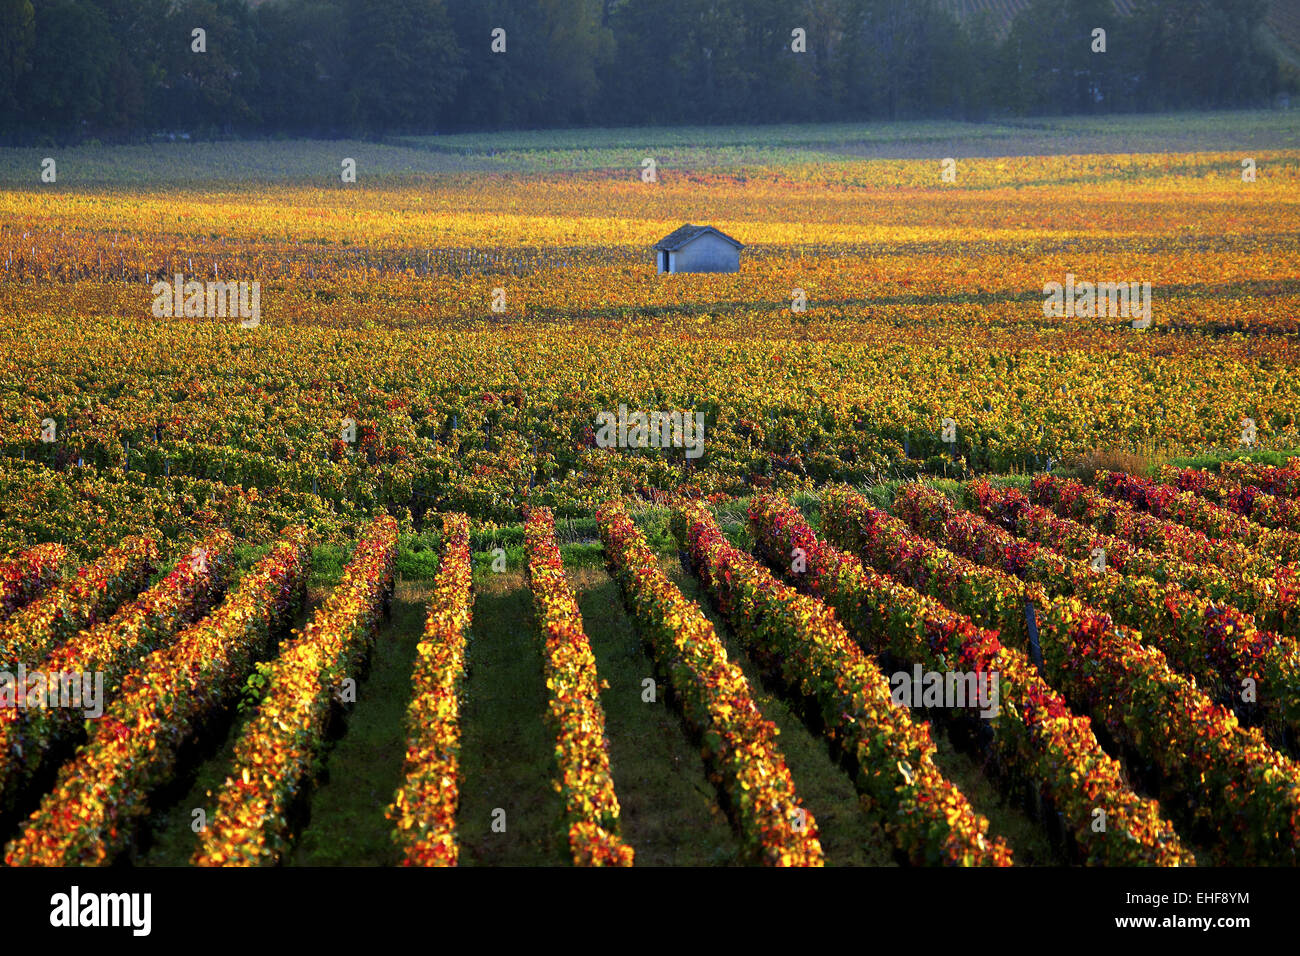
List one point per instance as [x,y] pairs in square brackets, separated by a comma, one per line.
[127,68]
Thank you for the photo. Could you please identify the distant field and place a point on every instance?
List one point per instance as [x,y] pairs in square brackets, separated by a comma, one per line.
[774,136]
[695,149]
[918,293]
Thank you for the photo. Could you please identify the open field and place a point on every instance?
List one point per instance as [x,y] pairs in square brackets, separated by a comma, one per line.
[441,337]
[684,148]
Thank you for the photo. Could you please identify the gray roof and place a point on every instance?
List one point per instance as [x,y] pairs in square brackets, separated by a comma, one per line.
[688,233]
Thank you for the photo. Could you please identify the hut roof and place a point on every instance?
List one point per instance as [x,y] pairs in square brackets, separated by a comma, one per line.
[688,233]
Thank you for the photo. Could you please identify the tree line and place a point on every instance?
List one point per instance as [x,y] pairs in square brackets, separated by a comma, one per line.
[131,68]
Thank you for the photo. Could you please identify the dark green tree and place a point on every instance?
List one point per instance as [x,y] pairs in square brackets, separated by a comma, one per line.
[303,63]
[68,84]
[404,64]
[17,37]
[551,71]
[217,89]
[1202,53]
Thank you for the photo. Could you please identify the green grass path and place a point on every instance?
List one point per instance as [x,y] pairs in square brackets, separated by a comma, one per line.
[670,812]
[507,760]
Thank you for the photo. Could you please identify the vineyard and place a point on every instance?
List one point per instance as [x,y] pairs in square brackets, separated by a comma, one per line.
[359,578]
[1136,722]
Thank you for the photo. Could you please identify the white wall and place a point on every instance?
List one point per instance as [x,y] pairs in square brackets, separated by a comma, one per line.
[706,253]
